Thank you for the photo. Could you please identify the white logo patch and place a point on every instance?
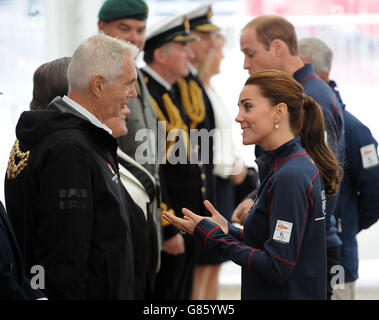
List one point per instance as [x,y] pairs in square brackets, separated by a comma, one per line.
[283,231]
[369,156]
[323,206]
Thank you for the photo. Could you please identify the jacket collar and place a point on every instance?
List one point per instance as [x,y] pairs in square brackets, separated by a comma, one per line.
[272,159]
[333,85]
[84,113]
[302,74]
[157,77]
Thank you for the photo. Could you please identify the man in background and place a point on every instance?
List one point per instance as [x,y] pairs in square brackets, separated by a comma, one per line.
[358,202]
[167,55]
[126,20]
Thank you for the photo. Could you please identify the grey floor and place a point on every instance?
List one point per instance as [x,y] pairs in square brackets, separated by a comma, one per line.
[367,286]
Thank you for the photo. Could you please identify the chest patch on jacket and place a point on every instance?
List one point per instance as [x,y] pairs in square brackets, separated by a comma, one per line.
[282,231]
[369,156]
[115,175]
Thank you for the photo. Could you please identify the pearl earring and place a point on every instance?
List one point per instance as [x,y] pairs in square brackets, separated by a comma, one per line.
[276,126]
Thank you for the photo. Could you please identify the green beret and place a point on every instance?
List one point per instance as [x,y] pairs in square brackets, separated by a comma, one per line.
[121,9]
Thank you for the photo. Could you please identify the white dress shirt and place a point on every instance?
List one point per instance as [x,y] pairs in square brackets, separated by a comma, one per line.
[91,118]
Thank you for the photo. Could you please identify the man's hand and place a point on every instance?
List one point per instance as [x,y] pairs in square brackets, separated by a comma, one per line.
[242,210]
[174,245]
[239,173]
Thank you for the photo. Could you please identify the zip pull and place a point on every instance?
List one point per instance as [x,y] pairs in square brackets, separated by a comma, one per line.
[339,223]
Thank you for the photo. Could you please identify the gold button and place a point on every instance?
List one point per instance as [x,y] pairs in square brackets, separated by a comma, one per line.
[203,189]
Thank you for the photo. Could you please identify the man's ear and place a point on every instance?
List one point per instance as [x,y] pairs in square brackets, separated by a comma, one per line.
[278,46]
[97,85]
[101,24]
[306,59]
[324,76]
[160,55]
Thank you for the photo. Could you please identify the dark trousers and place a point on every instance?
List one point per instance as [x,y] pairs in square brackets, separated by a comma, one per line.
[175,278]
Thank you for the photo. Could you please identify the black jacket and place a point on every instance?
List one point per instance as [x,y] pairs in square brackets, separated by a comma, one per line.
[181,183]
[14,285]
[68,208]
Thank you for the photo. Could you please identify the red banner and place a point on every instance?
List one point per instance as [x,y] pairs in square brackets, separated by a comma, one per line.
[312,7]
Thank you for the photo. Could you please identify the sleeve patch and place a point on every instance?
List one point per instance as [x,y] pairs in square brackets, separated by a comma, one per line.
[282,231]
[369,156]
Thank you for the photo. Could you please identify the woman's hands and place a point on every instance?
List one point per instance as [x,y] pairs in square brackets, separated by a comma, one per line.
[191,219]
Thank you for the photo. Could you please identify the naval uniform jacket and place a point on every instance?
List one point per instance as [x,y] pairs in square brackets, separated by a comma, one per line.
[282,247]
[181,184]
[68,206]
[205,150]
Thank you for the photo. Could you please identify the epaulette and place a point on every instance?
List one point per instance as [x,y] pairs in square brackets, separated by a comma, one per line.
[18,160]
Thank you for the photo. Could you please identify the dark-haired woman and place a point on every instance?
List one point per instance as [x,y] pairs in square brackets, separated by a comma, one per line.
[282,247]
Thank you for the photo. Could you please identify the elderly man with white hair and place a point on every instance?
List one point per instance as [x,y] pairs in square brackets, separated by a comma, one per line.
[63,192]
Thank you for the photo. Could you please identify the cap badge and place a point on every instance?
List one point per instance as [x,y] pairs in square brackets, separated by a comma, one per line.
[209,13]
[186,24]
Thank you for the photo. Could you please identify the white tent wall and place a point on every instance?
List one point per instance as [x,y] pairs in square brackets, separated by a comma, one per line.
[68,23]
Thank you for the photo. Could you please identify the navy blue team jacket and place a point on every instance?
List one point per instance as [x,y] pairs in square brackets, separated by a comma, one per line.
[282,247]
[334,126]
[358,203]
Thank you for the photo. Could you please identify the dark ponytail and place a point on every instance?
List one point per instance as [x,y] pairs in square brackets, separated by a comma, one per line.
[313,140]
[306,120]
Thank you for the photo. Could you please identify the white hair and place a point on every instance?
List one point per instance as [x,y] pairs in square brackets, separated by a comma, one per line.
[319,53]
[98,55]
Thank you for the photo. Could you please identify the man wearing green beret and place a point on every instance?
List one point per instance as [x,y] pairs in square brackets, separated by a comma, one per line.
[126,19]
